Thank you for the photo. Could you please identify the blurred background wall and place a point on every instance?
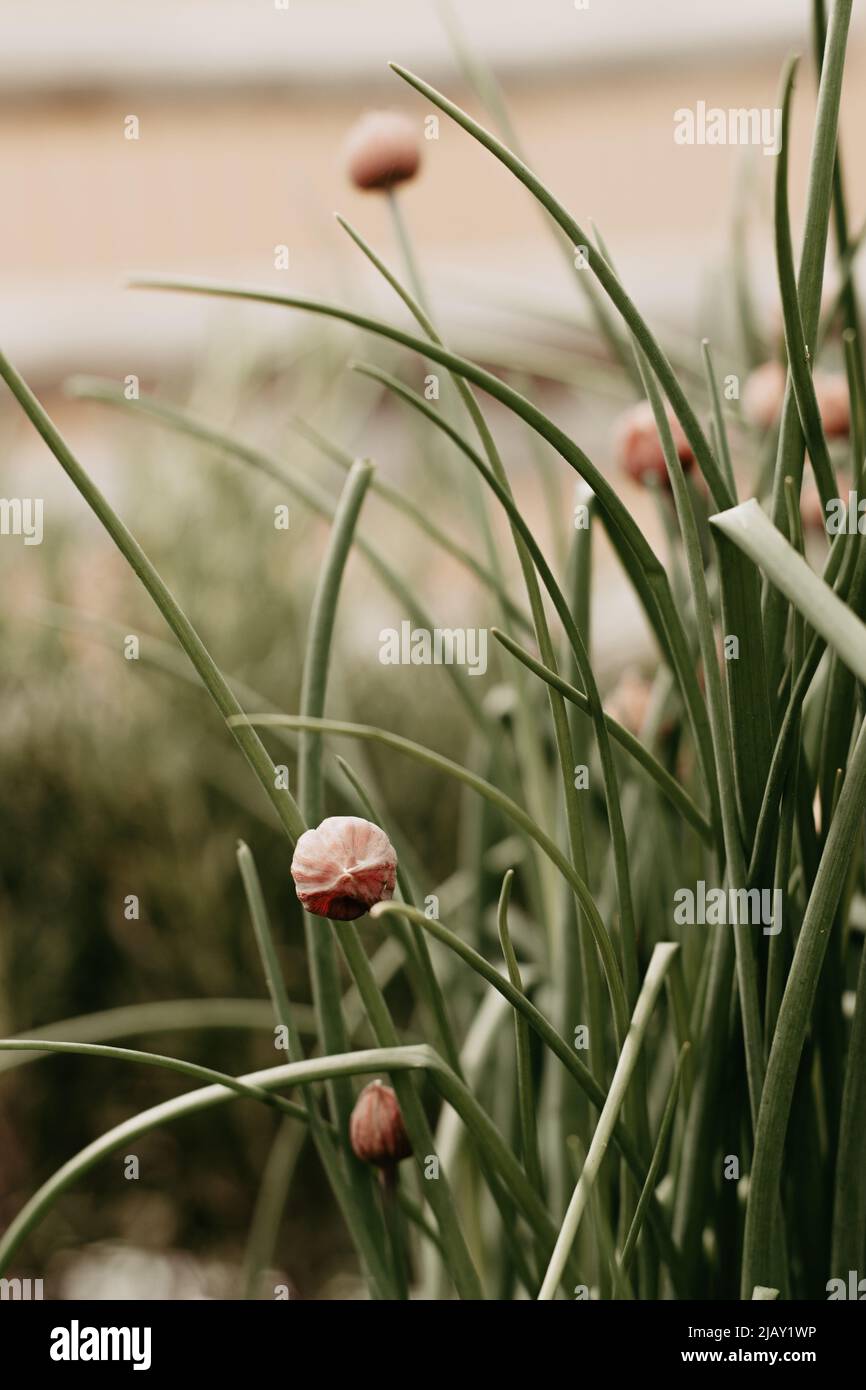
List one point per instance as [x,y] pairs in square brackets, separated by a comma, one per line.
[243,109]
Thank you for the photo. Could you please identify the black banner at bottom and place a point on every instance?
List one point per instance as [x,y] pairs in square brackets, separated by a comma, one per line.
[75,1339]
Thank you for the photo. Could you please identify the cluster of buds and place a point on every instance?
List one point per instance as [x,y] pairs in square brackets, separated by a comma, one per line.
[340,870]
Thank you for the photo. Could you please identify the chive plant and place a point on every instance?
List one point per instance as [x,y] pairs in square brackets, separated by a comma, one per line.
[602,1097]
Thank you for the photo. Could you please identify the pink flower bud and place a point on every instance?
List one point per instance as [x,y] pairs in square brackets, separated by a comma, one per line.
[764,393]
[343,867]
[639,447]
[831,391]
[382,150]
[376,1128]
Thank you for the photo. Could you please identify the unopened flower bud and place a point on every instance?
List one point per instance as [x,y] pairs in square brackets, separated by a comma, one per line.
[382,150]
[376,1128]
[343,867]
[764,393]
[639,447]
[834,403]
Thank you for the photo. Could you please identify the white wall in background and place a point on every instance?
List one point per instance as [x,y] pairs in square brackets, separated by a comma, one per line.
[106,42]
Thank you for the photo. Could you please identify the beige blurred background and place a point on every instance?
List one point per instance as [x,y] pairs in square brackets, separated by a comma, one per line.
[243,106]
